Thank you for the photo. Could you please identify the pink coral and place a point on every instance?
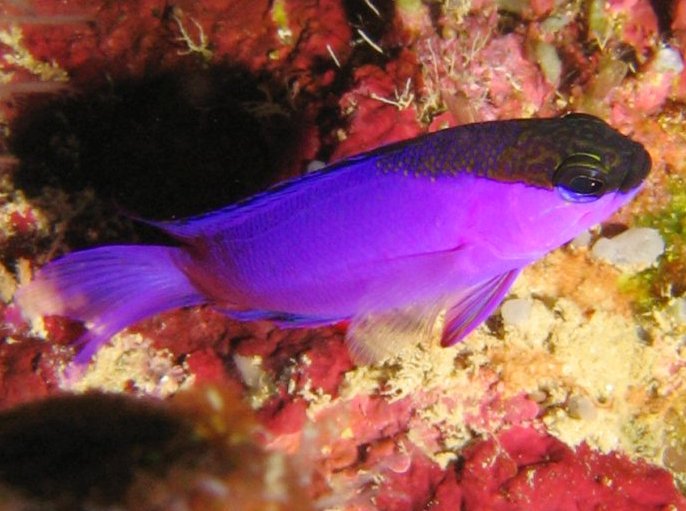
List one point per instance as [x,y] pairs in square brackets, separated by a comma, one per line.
[638,23]
[480,75]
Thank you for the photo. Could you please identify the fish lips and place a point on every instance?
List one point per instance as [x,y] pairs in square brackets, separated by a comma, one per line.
[638,171]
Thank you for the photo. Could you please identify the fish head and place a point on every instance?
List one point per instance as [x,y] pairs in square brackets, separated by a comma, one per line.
[580,155]
[597,161]
[572,173]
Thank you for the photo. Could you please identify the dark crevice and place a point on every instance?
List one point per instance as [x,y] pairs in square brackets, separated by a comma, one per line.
[167,146]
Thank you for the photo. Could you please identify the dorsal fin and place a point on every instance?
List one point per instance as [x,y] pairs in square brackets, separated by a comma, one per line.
[190,228]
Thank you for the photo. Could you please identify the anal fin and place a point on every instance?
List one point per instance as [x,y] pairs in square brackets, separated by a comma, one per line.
[281,319]
[377,336]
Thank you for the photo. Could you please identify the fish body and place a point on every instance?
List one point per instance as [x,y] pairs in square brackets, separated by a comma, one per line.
[441,222]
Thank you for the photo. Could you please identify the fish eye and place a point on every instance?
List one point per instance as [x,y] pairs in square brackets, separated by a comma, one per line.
[580,178]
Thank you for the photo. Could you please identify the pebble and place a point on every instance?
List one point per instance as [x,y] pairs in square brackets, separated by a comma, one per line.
[314,166]
[677,310]
[583,240]
[549,60]
[516,311]
[582,408]
[668,59]
[632,251]
[250,370]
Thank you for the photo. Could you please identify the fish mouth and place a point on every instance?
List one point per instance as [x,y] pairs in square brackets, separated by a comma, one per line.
[640,167]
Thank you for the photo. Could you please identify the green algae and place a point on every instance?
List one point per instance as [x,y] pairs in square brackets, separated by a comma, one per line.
[655,286]
[599,25]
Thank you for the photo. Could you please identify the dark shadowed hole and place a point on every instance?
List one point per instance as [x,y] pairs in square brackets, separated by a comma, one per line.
[69,448]
[169,146]
[362,17]
[663,10]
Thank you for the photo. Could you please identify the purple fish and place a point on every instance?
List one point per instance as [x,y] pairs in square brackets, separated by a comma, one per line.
[389,239]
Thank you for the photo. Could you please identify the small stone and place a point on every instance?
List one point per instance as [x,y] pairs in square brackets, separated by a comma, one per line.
[250,369]
[632,251]
[527,320]
[7,284]
[582,408]
[677,310]
[555,23]
[668,59]
[583,240]
[538,396]
[314,166]
[516,311]
[549,60]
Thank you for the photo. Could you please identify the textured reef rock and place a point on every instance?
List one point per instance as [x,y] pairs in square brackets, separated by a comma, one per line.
[570,397]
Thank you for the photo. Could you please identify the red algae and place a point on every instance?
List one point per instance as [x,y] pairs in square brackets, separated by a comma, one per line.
[447,493]
[207,366]
[88,50]
[62,331]
[319,33]
[526,469]
[379,109]
[328,360]
[29,370]
[411,488]
[638,23]
[185,332]
[284,417]
[23,222]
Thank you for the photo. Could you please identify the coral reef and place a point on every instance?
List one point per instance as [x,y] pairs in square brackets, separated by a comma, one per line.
[570,397]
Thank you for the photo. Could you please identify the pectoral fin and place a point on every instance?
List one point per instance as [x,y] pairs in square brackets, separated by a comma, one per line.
[375,337]
[474,305]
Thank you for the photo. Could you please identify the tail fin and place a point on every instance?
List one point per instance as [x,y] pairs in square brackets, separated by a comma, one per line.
[108,288]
